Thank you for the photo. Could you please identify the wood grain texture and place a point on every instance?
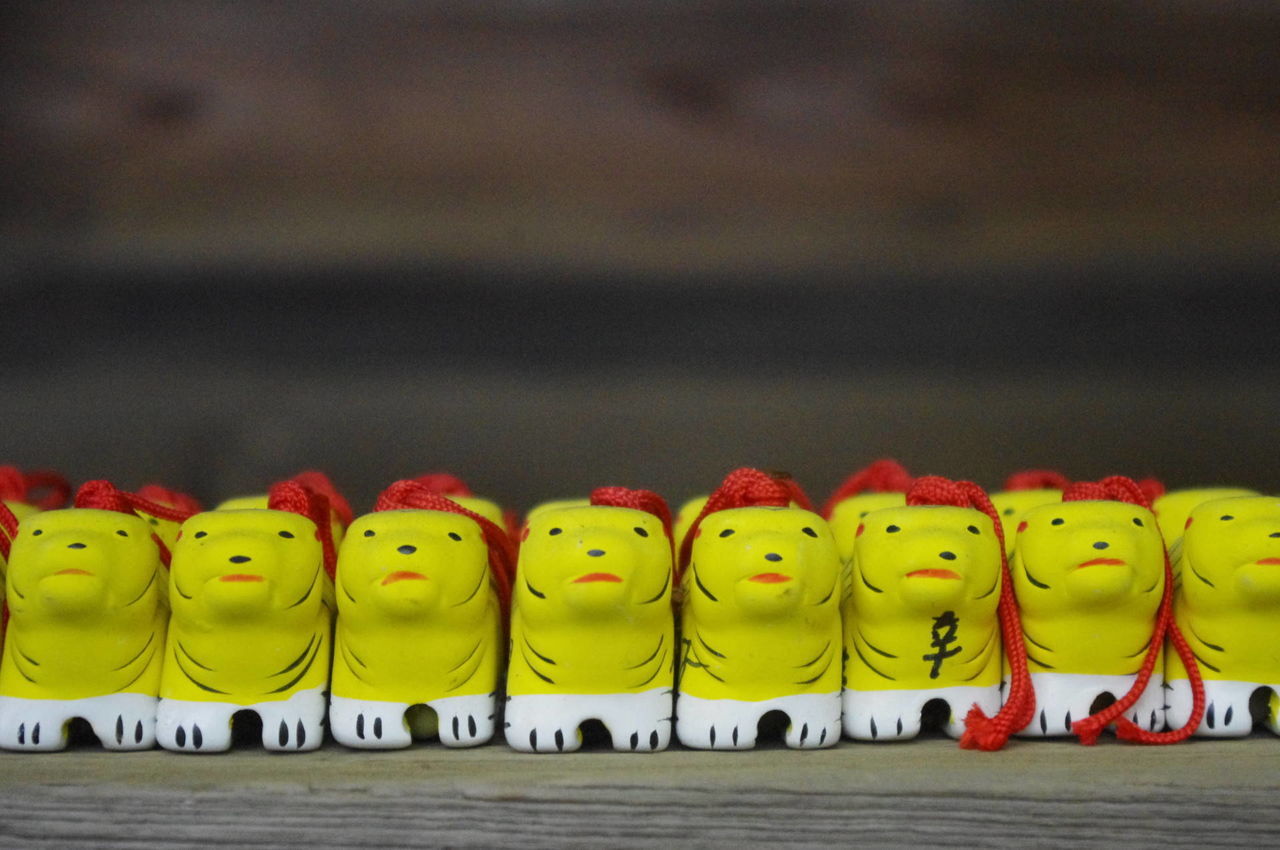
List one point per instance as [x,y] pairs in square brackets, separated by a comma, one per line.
[725,138]
[922,792]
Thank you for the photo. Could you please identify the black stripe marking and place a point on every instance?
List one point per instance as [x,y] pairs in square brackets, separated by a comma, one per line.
[310,588]
[1038,662]
[1035,642]
[297,660]
[830,593]
[871,666]
[709,648]
[1204,663]
[136,655]
[535,670]
[469,655]
[816,658]
[1032,578]
[817,677]
[534,592]
[1196,635]
[192,679]
[702,586]
[1142,650]
[484,574]
[150,582]
[541,657]
[662,639]
[994,585]
[141,671]
[1197,575]
[298,678]
[871,586]
[661,593]
[656,671]
[877,650]
[193,658]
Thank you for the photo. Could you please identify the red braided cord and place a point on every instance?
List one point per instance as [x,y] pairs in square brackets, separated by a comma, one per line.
[1122,489]
[414,495]
[444,483]
[105,496]
[318,482]
[1152,487]
[982,732]
[294,497]
[19,486]
[9,525]
[640,500]
[883,476]
[1036,479]
[742,488]
[173,498]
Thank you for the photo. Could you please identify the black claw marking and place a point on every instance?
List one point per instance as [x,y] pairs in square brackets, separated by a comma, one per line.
[735,736]
[197,737]
[899,726]
[180,736]
[713,736]
[875,733]
[635,740]
[119,728]
[137,733]
[560,740]
[1153,718]
[377,728]
[455,726]
[35,734]
[360,726]
[822,739]
[804,732]
[1208,715]
[1068,721]
[1044,724]
[1226,718]
[284,732]
[533,738]
[471,726]
[302,734]
[653,740]
[22,733]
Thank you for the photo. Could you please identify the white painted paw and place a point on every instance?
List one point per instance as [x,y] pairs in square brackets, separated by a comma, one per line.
[466,721]
[368,724]
[194,727]
[27,726]
[1226,708]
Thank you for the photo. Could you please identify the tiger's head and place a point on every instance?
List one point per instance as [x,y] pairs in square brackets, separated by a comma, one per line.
[927,557]
[1086,553]
[80,562]
[409,563]
[1174,507]
[243,564]
[768,561]
[594,562]
[1231,549]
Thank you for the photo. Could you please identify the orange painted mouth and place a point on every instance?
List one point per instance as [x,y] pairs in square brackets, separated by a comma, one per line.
[770,578]
[1103,562]
[72,571]
[590,577]
[1270,562]
[933,574]
[240,577]
[403,575]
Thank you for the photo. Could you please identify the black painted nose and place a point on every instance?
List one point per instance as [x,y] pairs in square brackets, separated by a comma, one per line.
[239,559]
[947,556]
[407,549]
[75,545]
[773,556]
[1101,544]
[595,553]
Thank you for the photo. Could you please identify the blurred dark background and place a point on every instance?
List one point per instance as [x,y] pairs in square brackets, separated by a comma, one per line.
[549,246]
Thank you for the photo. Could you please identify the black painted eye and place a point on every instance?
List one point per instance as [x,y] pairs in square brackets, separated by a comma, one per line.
[122,532]
[893,529]
[1057,521]
[368,532]
[200,534]
[553,532]
[453,535]
[37,532]
[1137,521]
[726,532]
[809,531]
[640,531]
[288,534]
[1007,512]
[153,520]
[973,529]
[864,513]
[1227,516]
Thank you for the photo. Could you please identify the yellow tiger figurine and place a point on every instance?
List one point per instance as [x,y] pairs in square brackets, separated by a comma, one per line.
[921,621]
[1228,607]
[761,619]
[592,629]
[883,484]
[1089,574]
[86,595]
[1173,508]
[252,604]
[419,621]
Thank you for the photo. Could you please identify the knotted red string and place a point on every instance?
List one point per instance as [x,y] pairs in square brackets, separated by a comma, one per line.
[1122,489]
[9,525]
[295,497]
[1152,488]
[445,483]
[1036,479]
[19,486]
[105,496]
[982,732]
[883,476]
[640,500]
[414,495]
[173,498]
[318,482]
[743,488]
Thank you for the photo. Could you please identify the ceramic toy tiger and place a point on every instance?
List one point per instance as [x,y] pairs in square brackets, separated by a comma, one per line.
[252,598]
[1092,581]
[924,617]
[421,583]
[761,619]
[1023,491]
[882,484]
[592,628]
[1228,607]
[86,595]
[1174,507]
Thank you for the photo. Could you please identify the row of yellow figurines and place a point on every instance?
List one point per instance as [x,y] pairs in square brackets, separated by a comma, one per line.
[895,606]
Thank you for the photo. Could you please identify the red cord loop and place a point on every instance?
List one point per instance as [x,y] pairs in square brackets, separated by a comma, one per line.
[19,486]
[8,525]
[640,500]
[294,497]
[982,732]
[173,498]
[1122,489]
[414,495]
[105,496]
[318,482]
[1036,479]
[445,483]
[883,476]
